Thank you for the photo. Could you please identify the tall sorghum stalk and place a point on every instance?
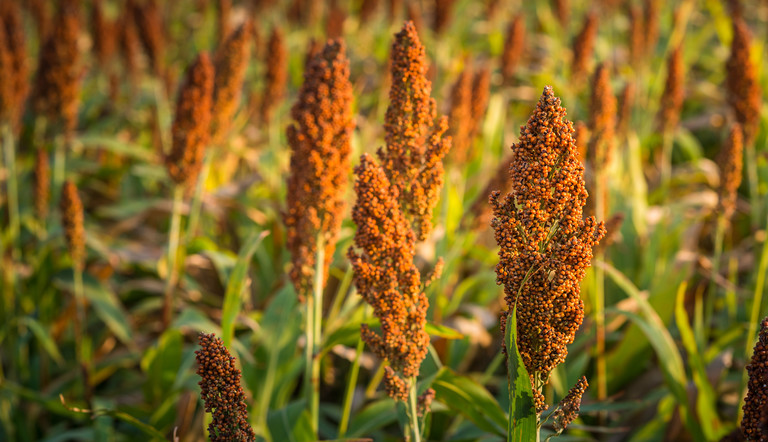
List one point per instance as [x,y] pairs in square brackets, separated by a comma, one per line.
[745,96]
[514,47]
[72,223]
[276,75]
[221,392]
[545,245]
[57,83]
[669,112]
[583,47]
[388,280]
[602,122]
[320,149]
[190,135]
[229,65]
[415,145]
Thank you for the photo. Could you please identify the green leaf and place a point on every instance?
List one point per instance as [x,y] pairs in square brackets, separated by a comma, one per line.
[162,365]
[373,417]
[235,286]
[471,399]
[43,337]
[522,412]
[290,423]
[442,331]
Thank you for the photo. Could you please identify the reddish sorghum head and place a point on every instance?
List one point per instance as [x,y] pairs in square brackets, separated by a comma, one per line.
[481,90]
[149,21]
[387,279]
[276,76]
[545,243]
[741,84]
[104,34]
[229,65]
[320,147]
[568,409]
[128,42]
[731,164]
[672,98]
[583,47]
[42,183]
[562,10]
[415,145]
[636,36]
[191,124]
[460,117]
[514,47]
[602,118]
[221,392]
[10,20]
[626,104]
[72,222]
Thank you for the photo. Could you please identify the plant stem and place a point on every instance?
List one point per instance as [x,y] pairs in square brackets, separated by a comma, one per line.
[12,195]
[750,164]
[59,163]
[197,199]
[709,303]
[79,324]
[412,411]
[349,393]
[173,252]
[667,141]
[314,344]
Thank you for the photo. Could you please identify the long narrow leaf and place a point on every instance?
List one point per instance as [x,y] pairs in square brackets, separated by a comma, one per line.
[522,412]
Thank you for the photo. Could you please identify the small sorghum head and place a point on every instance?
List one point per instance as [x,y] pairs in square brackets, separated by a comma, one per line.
[7,98]
[276,76]
[568,409]
[191,124]
[221,391]
[104,34]
[230,63]
[756,402]
[731,164]
[443,13]
[672,98]
[742,87]
[334,22]
[581,138]
[150,27]
[514,47]
[636,36]
[583,47]
[602,118]
[626,104]
[481,91]
[72,222]
[128,42]
[651,24]
[460,116]
[562,10]
[11,21]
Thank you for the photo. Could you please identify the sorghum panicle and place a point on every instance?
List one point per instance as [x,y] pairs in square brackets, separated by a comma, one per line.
[672,98]
[583,47]
[104,36]
[562,10]
[742,87]
[15,39]
[545,243]
[57,83]
[415,145]
[221,392]
[334,23]
[367,10]
[128,42]
[414,14]
[651,23]
[602,118]
[581,138]
[149,23]
[229,65]
[320,149]
[223,9]
[72,223]
[191,124]
[38,9]
[7,95]
[387,279]
[460,116]
[393,9]
[42,183]
[756,402]
[514,47]
[626,104]
[731,164]
[481,91]
[276,76]
[568,409]
[636,36]
[443,14]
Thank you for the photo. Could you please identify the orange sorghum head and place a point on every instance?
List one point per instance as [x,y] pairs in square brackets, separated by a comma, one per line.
[672,99]
[7,98]
[636,36]
[149,23]
[334,22]
[562,10]
[756,402]
[568,409]
[276,76]
[443,13]
[221,392]
[602,118]
[104,34]
[626,104]
[545,243]
[387,279]
[415,145]
[460,116]
[57,83]
[651,25]
[583,46]
[10,20]
[229,65]
[742,87]
[514,47]
[191,124]
[320,149]
[223,10]
[481,91]
[731,164]
[72,223]
[128,42]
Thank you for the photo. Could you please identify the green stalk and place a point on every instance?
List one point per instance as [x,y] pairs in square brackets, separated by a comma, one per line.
[173,253]
[13,189]
[702,331]
[59,163]
[349,392]
[197,199]
[317,312]
[339,299]
[266,392]
[750,165]
[666,159]
[82,356]
[309,333]
[412,411]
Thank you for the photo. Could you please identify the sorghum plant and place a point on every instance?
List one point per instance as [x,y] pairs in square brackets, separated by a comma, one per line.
[221,392]
[514,47]
[672,98]
[104,36]
[415,146]
[731,163]
[149,21]
[583,46]
[230,63]
[742,86]
[460,116]
[651,23]
[636,36]
[562,10]
[387,279]
[15,39]
[481,90]
[276,76]
[320,149]
[545,243]
[626,104]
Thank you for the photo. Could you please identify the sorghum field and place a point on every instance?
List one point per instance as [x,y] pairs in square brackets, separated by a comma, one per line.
[376,220]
